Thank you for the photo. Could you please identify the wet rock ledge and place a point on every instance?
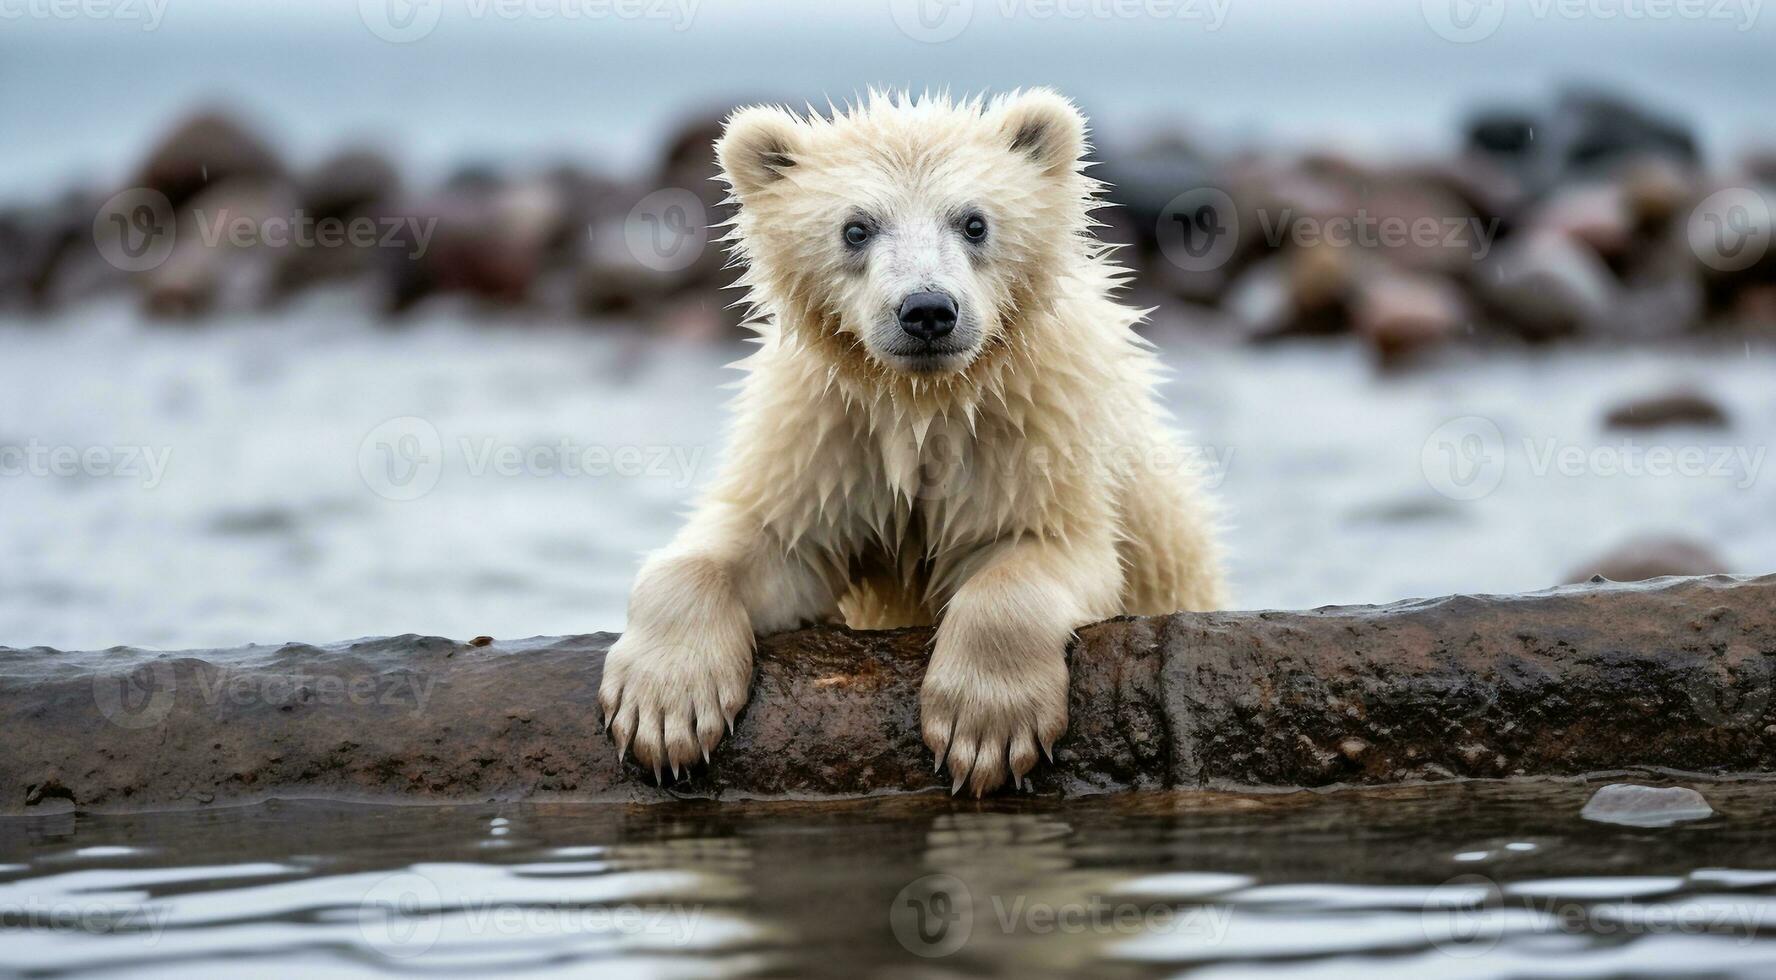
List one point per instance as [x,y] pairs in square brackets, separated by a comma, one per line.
[1671,673]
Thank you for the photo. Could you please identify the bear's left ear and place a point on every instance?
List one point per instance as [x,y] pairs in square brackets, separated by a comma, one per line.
[1044,126]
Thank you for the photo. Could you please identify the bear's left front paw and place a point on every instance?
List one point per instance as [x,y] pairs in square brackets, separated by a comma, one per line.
[988,719]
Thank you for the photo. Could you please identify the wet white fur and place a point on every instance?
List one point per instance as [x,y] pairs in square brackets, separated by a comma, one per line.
[1028,488]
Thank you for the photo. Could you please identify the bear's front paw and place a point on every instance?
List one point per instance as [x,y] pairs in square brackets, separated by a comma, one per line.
[989,718]
[669,702]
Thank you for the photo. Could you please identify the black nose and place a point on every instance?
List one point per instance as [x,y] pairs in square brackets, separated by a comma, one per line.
[928,316]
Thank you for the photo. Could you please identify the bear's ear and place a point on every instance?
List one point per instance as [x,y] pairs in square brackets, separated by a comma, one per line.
[1044,126]
[757,146]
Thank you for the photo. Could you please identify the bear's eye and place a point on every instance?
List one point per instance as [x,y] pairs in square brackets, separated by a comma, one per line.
[856,233]
[974,228]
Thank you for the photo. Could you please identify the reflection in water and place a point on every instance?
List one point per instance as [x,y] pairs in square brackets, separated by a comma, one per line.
[1462,880]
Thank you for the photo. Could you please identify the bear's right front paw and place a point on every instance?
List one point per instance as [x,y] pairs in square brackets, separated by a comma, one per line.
[670,703]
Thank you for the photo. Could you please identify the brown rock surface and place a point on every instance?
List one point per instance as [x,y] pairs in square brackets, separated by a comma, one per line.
[1675,673]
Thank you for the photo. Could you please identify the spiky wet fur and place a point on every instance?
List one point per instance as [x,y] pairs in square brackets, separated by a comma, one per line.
[1031,491]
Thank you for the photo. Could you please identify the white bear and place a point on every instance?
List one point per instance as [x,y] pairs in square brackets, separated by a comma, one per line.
[949,420]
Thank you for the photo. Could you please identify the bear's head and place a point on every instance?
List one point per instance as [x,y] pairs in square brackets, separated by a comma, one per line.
[909,236]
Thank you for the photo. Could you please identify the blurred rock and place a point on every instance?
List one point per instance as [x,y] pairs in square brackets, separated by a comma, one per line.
[1651,556]
[1679,407]
[1592,131]
[1594,214]
[694,318]
[649,252]
[1422,225]
[1320,286]
[1760,165]
[1656,304]
[224,257]
[39,248]
[614,282]
[1490,191]
[19,257]
[345,198]
[1403,315]
[584,198]
[689,157]
[204,149]
[1147,184]
[1259,299]
[1588,133]
[1655,193]
[1586,217]
[1297,293]
[348,183]
[1144,179]
[689,164]
[478,237]
[1754,305]
[1546,285]
[1502,133]
[1730,231]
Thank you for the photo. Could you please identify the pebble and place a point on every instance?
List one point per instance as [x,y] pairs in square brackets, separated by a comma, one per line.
[1632,805]
[1677,407]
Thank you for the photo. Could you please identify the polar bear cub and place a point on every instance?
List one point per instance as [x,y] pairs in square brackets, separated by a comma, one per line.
[949,420]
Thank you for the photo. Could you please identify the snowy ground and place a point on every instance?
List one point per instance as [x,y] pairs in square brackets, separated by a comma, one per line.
[314,476]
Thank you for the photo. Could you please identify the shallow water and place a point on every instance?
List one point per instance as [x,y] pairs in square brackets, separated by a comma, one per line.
[325,476]
[1463,880]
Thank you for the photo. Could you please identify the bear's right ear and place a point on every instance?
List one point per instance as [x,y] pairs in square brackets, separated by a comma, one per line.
[757,147]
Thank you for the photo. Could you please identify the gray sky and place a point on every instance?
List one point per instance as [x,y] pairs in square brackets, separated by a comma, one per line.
[89,82]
